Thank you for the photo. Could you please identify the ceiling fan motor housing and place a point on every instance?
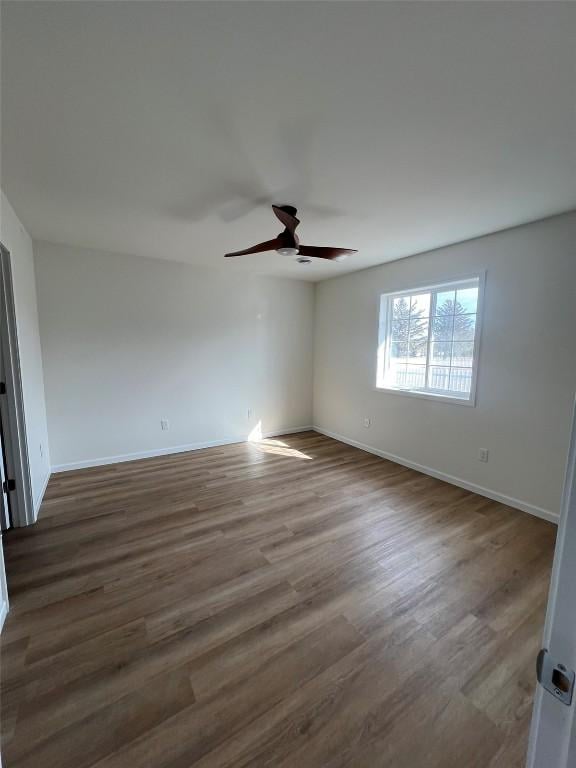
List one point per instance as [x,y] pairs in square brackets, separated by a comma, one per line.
[288,243]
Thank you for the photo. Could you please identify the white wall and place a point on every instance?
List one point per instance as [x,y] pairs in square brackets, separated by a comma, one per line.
[128,341]
[15,238]
[522,414]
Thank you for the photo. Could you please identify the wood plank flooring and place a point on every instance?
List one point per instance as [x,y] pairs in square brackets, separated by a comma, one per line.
[291,604]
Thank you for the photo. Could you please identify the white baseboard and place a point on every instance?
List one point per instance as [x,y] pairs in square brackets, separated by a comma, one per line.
[3,614]
[545,514]
[38,500]
[100,462]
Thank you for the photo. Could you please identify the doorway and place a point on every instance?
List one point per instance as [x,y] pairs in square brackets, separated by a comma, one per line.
[17,484]
[5,511]
[5,523]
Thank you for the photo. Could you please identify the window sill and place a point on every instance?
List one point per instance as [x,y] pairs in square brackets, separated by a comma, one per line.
[471,403]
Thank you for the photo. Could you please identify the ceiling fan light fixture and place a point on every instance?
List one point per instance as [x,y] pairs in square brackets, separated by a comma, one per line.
[287,251]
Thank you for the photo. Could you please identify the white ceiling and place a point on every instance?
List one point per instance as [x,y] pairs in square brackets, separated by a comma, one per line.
[151,128]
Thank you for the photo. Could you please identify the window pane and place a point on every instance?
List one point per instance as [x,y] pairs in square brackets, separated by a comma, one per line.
[445,302]
[464,327]
[439,378]
[462,353]
[398,351]
[396,375]
[421,304]
[399,329]
[441,352]
[418,328]
[442,328]
[417,351]
[467,298]
[415,376]
[461,380]
[401,307]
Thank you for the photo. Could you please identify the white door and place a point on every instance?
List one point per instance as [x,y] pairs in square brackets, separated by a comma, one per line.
[553,733]
[4,512]
[4,518]
[3,587]
[4,523]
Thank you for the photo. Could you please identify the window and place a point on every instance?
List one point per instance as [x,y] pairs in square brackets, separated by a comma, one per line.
[428,340]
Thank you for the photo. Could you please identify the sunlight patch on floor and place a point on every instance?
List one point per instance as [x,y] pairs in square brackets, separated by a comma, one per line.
[274,446]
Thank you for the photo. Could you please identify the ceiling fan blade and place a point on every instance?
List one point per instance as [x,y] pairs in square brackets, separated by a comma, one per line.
[324,253]
[286,217]
[269,245]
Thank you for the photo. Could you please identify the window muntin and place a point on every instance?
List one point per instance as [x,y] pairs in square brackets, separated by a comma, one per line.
[428,340]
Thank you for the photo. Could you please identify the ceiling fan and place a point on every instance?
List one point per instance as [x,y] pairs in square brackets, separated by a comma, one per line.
[288,244]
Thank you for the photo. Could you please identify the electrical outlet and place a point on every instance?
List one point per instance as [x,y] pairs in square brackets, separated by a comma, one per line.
[366,422]
[164,425]
[483,454]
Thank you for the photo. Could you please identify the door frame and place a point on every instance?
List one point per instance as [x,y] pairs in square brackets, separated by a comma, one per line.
[14,423]
[552,741]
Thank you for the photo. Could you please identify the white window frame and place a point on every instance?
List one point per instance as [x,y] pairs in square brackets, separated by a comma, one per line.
[384,341]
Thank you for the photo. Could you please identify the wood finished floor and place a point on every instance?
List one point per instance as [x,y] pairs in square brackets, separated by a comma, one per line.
[293,604]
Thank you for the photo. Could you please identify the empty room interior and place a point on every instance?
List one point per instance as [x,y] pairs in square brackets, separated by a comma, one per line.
[287,377]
